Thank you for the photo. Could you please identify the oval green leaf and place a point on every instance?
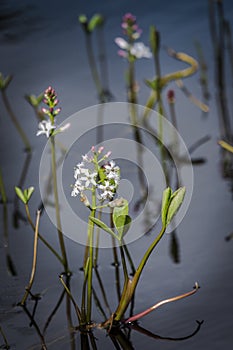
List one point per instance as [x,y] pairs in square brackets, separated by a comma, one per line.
[102,225]
[122,225]
[20,194]
[175,203]
[95,21]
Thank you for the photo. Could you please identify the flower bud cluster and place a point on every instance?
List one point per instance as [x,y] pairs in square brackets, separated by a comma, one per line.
[48,126]
[50,99]
[129,48]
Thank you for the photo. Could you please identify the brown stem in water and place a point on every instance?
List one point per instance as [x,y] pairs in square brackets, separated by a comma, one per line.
[28,288]
[160,303]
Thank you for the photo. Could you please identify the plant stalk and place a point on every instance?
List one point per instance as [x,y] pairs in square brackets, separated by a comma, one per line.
[28,288]
[131,285]
[57,209]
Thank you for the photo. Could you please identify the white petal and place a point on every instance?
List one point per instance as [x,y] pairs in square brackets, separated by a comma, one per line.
[122,43]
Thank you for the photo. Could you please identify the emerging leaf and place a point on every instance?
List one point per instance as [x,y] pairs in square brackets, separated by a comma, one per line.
[30,191]
[95,21]
[175,203]
[165,204]
[4,82]
[20,194]
[82,19]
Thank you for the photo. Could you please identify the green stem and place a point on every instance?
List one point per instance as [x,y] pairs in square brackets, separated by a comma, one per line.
[83,303]
[116,265]
[93,67]
[95,262]
[161,112]
[90,266]
[16,122]
[130,287]
[41,237]
[56,198]
[67,289]
[132,94]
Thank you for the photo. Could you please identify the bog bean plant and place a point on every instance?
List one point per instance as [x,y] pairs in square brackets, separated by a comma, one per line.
[96,180]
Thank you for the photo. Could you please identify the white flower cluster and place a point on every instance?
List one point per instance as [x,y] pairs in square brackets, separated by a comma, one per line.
[105,180]
[138,49]
[45,127]
[111,182]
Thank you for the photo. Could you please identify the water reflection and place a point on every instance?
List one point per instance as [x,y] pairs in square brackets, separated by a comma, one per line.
[120,338]
[221,39]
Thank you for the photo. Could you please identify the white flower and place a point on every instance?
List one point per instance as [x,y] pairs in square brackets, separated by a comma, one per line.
[138,50]
[112,172]
[78,188]
[85,158]
[77,170]
[110,166]
[45,127]
[88,178]
[122,43]
[108,190]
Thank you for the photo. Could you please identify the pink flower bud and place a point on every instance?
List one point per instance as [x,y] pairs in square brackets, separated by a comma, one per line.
[171,96]
[108,154]
[100,150]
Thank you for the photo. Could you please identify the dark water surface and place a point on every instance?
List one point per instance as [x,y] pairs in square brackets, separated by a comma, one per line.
[42,44]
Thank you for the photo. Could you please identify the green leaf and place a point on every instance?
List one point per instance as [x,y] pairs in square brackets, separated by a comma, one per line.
[122,224]
[165,204]
[20,194]
[175,202]
[30,191]
[121,219]
[102,225]
[34,100]
[122,210]
[95,21]
[82,19]
[4,82]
